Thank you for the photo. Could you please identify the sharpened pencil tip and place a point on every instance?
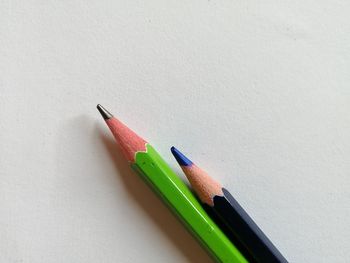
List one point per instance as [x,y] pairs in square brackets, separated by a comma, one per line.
[180,158]
[105,113]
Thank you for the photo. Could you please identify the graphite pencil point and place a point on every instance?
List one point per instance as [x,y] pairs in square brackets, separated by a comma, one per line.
[105,113]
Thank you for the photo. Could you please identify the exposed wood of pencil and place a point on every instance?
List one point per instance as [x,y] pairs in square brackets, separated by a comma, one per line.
[129,141]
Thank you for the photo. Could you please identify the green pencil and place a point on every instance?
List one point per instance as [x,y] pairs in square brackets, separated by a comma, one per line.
[155,171]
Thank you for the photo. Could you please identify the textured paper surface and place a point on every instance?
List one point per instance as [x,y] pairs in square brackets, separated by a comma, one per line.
[256,92]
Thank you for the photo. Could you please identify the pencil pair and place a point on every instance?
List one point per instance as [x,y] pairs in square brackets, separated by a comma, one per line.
[242,241]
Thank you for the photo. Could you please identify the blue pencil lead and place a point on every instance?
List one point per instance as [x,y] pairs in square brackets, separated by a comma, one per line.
[180,158]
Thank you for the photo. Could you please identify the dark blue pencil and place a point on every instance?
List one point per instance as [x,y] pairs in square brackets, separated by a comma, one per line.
[237,224]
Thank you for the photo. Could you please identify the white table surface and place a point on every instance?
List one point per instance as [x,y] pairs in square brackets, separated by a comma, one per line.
[256,92]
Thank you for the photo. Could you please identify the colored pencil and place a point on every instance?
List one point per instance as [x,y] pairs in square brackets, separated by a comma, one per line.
[238,225]
[155,171]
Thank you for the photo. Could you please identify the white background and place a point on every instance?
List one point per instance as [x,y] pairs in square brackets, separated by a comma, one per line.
[256,92]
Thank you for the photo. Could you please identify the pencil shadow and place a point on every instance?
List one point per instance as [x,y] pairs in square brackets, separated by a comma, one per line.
[153,207]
